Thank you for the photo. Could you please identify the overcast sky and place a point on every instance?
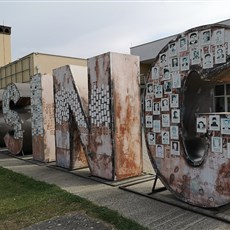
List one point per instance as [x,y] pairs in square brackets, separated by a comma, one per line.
[85,28]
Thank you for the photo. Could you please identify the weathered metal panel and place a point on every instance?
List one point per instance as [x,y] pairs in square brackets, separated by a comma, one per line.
[19,94]
[43,124]
[114,113]
[182,153]
[127,110]
[70,120]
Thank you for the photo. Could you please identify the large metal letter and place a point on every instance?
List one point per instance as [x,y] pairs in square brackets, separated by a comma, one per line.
[43,124]
[114,112]
[191,157]
[71,97]
[17,96]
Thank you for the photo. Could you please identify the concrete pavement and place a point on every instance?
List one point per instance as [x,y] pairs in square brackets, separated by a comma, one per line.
[148,212]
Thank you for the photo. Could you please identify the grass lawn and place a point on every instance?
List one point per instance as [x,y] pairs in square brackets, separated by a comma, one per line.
[24,201]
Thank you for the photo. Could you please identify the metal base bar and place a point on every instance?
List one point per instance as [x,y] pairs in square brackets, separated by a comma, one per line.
[186,206]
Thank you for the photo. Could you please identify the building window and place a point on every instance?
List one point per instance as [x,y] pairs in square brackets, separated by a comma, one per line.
[222,98]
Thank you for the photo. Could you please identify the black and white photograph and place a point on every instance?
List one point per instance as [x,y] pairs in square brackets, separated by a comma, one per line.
[195,55]
[174,132]
[201,126]
[148,121]
[207,60]
[175,148]
[175,64]
[165,120]
[167,87]
[175,115]
[225,126]
[220,55]
[164,104]
[167,74]
[163,59]
[151,138]
[183,46]
[174,100]
[205,37]
[156,108]
[155,73]
[193,39]
[148,105]
[156,126]
[158,89]
[218,36]
[172,47]
[165,137]
[150,89]
[214,122]
[176,80]
[184,63]
[216,144]
[160,151]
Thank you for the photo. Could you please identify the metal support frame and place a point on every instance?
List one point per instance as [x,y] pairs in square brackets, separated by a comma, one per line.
[214,213]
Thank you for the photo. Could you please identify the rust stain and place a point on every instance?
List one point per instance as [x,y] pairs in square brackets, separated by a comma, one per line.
[38,148]
[223,179]
[13,145]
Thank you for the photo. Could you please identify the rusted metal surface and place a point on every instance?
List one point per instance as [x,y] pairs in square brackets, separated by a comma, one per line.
[16,111]
[71,123]
[114,114]
[43,123]
[182,154]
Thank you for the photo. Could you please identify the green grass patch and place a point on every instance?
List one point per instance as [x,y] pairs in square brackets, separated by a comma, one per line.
[24,201]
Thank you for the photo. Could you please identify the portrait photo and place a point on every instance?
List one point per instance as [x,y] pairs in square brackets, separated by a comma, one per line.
[172,47]
[167,87]
[156,108]
[174,100]
[225,126]
[175,148]
[207,60]
[220,55]
[148,121]
[205,37]
[183,45]
[176,80]
[214,122]
[167,74]
[148,105]
[195,55]
[150,89]
[151,138]
[158,91]
[193,39]
[165,120]
[164,104]
[165,137]
[155,73]
[184,63]
[174,132]
[160,151]
[218,36]
[201,126]
[174,64]
[175,115]
[156,126]
[163,59]
[216,144]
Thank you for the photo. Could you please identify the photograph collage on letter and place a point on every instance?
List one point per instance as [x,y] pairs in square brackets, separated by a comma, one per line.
[162,103]
[217,128]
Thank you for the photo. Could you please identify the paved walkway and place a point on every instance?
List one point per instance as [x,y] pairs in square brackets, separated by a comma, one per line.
[148,212]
